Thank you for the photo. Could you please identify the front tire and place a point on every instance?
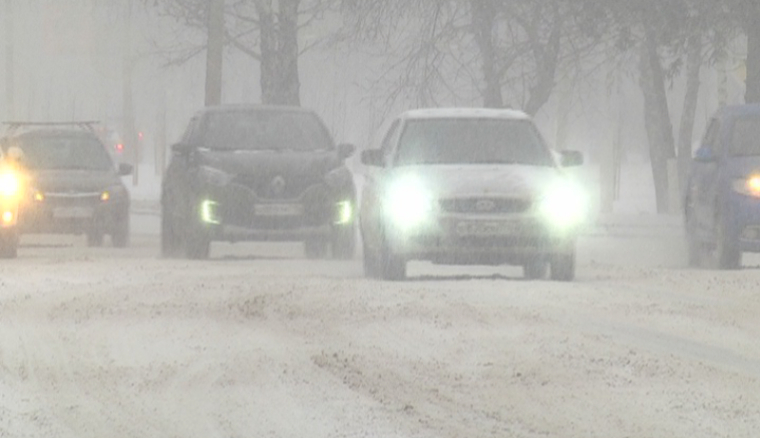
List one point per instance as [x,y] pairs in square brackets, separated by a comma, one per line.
[726,254]
[343,243]
[535,269]
[9,244]
[120,235]
[392,266]
[562,266]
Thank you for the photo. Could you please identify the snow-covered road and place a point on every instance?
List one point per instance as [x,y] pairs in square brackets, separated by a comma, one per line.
[261,343]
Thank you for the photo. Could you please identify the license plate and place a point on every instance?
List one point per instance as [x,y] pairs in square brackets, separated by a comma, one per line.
[484,229]
[72,213]
[280,210]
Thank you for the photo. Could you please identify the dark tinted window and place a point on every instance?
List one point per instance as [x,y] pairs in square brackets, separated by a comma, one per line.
[79,152]
[472,141]
[264,130]
[746,136]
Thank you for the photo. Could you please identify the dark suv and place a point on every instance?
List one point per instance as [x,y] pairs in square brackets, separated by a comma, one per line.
[74,185]
[258,173]
[722,206]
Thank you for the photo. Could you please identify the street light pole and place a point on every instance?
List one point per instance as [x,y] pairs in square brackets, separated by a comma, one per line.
[10,98]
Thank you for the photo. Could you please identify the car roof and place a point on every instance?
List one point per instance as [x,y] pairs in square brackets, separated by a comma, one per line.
[56,132]
[465,113]
[253,107]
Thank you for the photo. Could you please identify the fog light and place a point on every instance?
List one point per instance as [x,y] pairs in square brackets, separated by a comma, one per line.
[39,196]
[105,196]
[7,217]
[345,213]
[209,212]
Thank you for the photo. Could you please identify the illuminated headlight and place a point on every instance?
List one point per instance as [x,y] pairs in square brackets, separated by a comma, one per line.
[408,204]
[10,185]
[214,176]
[345,213]
[748,186]
[564,206]
[209,212]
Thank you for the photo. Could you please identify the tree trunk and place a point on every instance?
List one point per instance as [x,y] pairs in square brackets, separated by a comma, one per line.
[214,52]
[686,131]
[657,119]
[483,27]
[753,56]
[547,61]
[279,52]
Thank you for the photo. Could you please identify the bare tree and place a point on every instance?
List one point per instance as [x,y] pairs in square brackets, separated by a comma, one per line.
[266,30]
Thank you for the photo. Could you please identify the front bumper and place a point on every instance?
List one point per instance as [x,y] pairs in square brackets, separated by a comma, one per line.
[234,216]
[463,239]
[72,216]
[745,221]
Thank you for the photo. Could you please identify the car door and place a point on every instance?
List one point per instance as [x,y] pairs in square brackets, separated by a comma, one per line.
[371,213]
[705,179]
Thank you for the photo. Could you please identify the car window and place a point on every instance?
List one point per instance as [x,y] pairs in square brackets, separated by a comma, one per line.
[389,138]
[712,136]
[745,139]
[76,152]
[472,141]
[265,130]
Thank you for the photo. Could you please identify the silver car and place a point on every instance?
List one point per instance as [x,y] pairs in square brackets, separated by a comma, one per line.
[469,187]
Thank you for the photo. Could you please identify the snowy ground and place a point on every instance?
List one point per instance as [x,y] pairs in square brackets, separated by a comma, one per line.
[259,342]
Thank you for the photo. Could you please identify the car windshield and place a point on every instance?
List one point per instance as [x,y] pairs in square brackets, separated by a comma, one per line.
[76,152]
[472,141]
[746,136]
[265,130]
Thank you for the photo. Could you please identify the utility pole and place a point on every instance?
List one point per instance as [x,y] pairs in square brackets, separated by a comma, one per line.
[10,98]
[215,52]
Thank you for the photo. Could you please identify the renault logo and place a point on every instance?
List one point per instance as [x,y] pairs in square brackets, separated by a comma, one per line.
[485,205]
[278,186]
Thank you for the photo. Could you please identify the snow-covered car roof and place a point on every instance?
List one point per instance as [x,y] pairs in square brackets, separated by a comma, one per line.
[462,113]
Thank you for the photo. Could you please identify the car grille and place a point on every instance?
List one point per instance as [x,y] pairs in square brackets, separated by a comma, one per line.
[283,189]
[486,205]
[79,199]
[239,207]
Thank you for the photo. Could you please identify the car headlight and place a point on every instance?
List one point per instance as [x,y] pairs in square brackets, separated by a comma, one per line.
[214,176]
[748,186]
[564,206]
[10,184]
[409,204]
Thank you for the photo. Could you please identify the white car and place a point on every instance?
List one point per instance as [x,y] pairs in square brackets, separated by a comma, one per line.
[469,186]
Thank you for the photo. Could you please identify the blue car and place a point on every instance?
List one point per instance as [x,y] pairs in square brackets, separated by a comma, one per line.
[722,203]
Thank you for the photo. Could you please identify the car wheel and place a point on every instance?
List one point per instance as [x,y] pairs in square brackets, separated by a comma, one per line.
[197,241]
[535,269]
[315,248]
[392,267]
[94,237]
[343,243]
[120,235]
[8,245]
[563,266]
[726,254]
[170,241]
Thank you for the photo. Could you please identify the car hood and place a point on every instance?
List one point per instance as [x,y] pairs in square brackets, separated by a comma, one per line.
[257,169]
[741,167]
[457,181]
[73,180]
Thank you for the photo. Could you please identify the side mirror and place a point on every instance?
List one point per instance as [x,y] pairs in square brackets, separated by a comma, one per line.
[570,158]
[705,154]
[345,150]
[125,169]
[373,157]
[181,148]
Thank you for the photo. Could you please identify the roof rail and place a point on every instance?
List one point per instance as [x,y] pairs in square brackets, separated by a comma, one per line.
[13,126]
